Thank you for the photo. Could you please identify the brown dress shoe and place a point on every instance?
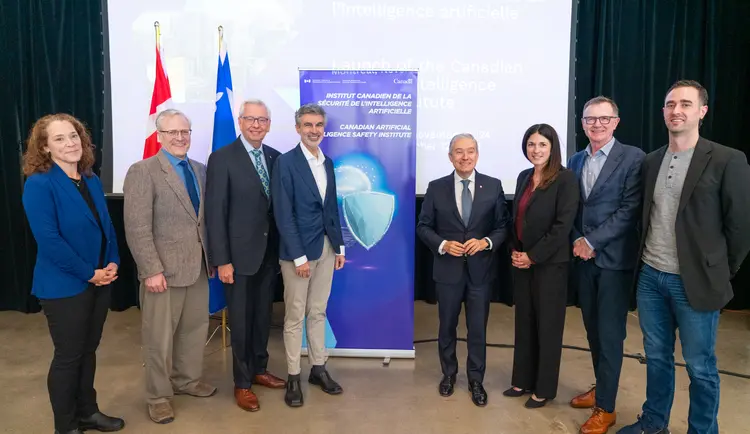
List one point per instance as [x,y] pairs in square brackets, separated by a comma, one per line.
[599,422]
[585,400]
[269,380]
[246,399]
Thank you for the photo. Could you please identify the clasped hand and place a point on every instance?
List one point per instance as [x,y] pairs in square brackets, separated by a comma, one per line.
[470,247]
[582,250]
[105,276]
[520,259]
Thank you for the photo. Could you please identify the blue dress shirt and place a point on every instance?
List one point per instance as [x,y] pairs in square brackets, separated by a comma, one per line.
[592,167]
[175,161]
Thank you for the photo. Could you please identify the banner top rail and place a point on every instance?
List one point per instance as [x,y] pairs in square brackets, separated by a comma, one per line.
[362,69]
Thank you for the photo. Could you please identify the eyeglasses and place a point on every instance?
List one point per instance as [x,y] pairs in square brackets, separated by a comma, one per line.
[175,133]
[604,120]
[252,120]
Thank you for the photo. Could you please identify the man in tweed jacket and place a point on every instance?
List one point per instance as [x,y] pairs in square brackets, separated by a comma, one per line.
[166,235]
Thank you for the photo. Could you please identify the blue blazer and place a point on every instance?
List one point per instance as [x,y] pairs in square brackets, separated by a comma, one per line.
[302,217]
[608,218]
[67,236]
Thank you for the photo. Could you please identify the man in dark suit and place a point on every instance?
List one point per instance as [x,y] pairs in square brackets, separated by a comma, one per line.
[605,244]
[696,233]
[312,246]
[243,244]
[464,221]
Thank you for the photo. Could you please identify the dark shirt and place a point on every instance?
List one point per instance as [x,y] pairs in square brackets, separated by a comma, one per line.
[83,189]
[523,203]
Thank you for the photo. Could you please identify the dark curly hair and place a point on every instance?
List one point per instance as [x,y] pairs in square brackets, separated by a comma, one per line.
[37,160]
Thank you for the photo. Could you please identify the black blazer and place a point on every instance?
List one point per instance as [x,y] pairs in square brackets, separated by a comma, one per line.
[439,220]
[239,219]
[712,225]
[549,217]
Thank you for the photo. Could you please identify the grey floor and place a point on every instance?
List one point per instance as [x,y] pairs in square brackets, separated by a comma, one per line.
[401,398]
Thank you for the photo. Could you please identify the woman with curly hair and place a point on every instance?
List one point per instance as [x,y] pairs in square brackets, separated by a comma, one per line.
[77,259]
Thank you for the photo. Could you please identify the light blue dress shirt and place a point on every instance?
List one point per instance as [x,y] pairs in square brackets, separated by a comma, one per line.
[249,148]
[592,167]
[175,162]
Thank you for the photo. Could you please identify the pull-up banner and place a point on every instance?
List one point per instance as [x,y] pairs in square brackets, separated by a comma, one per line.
[370,135]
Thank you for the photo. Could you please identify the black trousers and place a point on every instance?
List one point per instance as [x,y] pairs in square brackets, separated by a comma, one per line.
[476,299]
[604,297]
[75,324]
[249,305]
[540,295]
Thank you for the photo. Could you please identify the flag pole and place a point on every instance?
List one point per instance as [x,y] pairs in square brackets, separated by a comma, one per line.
[157,31]
[223,311]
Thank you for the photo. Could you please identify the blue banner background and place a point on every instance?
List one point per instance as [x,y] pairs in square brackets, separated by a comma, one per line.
[372,298]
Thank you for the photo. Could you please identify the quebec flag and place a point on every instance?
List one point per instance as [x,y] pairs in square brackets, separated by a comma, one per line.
[224,134]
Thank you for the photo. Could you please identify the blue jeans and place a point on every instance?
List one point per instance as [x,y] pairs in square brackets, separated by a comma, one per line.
[663,307]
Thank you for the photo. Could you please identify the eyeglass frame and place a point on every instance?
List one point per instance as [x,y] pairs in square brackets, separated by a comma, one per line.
[177,133]
[261,120]
[601,119]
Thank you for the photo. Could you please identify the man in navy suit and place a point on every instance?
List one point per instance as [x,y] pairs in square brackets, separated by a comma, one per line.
[464,221]
[605,244]
[307,216]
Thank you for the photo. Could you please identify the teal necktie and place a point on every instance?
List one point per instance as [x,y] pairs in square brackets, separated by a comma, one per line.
[262,172]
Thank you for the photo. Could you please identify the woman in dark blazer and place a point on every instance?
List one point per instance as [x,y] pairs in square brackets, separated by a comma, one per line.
[77,259]
[545,206]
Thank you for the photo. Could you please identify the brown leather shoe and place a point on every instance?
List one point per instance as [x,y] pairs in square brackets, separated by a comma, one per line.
[246,399]
[269,380]
[599,422]
[585,400]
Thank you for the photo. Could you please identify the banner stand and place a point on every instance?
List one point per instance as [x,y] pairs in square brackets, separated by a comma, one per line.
[371,136]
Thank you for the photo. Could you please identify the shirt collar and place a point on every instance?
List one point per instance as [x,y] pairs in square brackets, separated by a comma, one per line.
[309,156]
[172,159]
[457,179]
[605,149]
[248,147]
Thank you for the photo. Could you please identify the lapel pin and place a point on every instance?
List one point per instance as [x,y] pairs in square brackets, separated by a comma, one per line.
[480,186]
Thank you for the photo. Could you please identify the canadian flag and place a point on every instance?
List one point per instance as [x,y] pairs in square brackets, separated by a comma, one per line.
[160,100]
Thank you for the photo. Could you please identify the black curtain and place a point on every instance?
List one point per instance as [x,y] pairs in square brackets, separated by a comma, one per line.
[51,60]
[633,50]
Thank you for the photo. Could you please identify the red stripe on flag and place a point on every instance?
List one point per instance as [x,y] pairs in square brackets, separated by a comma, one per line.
[161,95]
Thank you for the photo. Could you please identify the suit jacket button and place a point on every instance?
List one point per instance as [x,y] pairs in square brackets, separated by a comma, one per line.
[265,234]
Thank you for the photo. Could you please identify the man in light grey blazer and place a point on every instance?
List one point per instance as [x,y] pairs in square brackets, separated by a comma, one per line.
[166,235]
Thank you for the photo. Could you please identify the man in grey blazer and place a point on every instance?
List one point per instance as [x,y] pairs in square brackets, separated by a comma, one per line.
[696,233]
[605,243]
[166,235]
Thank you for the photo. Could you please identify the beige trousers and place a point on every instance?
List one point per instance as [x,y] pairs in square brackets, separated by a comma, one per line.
[174,326]
[307,297]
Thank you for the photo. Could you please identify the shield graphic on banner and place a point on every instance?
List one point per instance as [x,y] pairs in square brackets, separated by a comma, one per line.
[368,215]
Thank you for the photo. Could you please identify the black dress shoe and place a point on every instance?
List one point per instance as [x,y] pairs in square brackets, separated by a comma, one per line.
[293,396]
[446,385]
[513,393]
[326,383]
[478,394]
[533,403]
[73,431]
[101,422]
